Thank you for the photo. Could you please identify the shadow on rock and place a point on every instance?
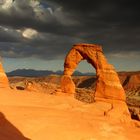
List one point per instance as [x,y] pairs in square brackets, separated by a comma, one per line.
[8,131]
[88,83]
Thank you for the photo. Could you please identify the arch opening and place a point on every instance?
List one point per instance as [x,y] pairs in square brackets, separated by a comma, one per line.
[85,83]
[84,75]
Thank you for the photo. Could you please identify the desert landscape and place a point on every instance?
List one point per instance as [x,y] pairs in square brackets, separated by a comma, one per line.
[69,70]
[63,107]
[85,87]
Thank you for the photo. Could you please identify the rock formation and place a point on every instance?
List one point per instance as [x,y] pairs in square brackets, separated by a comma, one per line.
[108,84]
[3,78]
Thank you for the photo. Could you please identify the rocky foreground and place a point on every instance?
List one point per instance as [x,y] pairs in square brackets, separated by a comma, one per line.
[85,87]
[32,115]
[37,109]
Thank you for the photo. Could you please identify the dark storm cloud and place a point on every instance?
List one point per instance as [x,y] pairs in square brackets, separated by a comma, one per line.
[105,11]
[115,24]
[7,35]
[46,46]
[20,15]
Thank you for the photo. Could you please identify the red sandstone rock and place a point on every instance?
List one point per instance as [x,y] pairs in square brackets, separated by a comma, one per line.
[67,85]
[132,82]
[108,84]
[3,78]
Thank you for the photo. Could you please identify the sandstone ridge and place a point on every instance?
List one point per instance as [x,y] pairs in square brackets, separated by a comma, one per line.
[3,78]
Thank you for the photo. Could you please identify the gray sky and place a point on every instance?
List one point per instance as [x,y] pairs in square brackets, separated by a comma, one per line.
[38,33]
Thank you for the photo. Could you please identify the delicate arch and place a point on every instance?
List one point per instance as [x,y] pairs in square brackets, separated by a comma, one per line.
[108,84]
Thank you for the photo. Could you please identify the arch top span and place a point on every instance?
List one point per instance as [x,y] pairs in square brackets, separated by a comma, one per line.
[93,53]
[94,47]
[108,84]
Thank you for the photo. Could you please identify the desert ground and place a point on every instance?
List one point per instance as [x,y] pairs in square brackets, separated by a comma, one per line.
[38,114]
[85,87]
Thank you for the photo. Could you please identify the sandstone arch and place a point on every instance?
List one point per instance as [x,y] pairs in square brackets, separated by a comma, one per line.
[108,84]
[3,78]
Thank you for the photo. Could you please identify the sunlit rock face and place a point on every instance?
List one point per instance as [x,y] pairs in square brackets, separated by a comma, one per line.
[3,78]
[108,84]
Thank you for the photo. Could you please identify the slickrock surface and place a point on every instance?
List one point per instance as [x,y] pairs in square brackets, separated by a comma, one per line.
[33,115]
[85,88]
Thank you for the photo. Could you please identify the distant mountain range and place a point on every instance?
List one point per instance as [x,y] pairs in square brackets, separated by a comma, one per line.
[36,73]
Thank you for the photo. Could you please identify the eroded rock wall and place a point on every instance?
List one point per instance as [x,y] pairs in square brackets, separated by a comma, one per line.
[3,78]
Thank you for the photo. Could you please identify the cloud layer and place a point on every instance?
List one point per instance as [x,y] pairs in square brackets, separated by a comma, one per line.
[47,29]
